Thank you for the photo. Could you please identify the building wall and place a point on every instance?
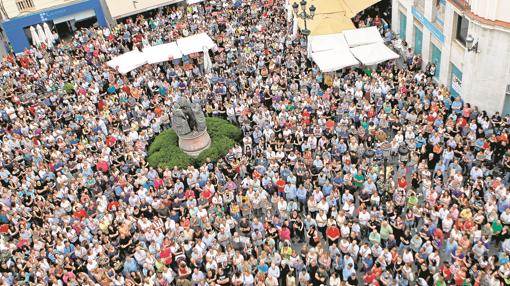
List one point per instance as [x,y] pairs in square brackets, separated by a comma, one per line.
[13,27]
[119,9]
[484,75]
[12,9]
[492,9]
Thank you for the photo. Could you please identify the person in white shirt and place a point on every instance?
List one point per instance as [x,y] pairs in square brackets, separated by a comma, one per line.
[505,216]
[334,280]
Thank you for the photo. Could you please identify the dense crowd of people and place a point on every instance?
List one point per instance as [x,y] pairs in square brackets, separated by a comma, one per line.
[365,177]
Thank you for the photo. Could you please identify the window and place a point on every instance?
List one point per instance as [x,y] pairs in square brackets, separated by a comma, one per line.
[25,5]
[462,29]
[438,12]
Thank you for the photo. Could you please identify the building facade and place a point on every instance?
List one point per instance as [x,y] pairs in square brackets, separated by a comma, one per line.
[63,17]
[121,9]
[468,41]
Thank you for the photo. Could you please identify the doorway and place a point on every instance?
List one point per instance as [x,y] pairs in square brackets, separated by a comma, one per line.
[436,60]
[506,105]
[86,23]
[418,38]
[64,30]
[403,26]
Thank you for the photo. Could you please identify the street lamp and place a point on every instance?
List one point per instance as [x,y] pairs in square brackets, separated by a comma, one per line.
[386,150]
[403,151]
[304,15]
[471,45]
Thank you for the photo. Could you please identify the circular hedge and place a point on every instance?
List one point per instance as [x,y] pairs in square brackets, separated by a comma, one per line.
[165,152]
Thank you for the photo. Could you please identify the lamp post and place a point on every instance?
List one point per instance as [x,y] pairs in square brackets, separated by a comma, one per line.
[471,45]
[386,149]
[304,15]
[403,151]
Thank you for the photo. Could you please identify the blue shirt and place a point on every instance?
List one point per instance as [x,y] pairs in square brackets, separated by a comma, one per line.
[290,192]
[301,194]
[326,189]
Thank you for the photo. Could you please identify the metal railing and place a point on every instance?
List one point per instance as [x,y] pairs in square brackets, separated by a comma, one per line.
[25,5]
[463,4]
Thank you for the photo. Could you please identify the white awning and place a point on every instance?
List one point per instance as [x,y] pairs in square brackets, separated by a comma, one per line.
[162,53]
[327,42]
[195,43]
[333,60]
[373,54]
[190,2]
[128,61]
[362,36]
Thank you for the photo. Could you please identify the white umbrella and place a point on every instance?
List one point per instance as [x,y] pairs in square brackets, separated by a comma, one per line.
[35,38]
[41,34]
[207,60]
[49,35]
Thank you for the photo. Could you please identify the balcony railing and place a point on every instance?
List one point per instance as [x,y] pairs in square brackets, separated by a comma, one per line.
[25,5]
[462,4]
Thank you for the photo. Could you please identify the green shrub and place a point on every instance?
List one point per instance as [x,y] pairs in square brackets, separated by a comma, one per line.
[69,88]
[165,152]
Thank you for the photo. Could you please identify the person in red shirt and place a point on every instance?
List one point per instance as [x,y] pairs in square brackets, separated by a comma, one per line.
[370,278]
[81,214]
[166,256]
[284,232]
[332,233]
[438,237]
[25,62]
[306,117]
[189,194]
[402,183]
[206,194]
[461,122]
[281,186]
[445,270]
[113,205]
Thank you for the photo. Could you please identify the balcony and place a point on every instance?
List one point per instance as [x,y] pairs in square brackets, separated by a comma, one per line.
[438,13]
[25,5]
[420,5]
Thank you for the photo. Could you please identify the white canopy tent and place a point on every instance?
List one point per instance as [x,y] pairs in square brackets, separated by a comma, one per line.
[195,43]
[207,60]
[128,61]
[373,54]
[327,42]
[333,60]
[162,53]
[362,36]
[191,2]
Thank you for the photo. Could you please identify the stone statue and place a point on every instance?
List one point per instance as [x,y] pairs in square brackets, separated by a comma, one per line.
[188,122]
[199,117]
[180,122]
[187,117]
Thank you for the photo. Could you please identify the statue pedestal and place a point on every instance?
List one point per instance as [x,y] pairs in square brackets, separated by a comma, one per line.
[193,144]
